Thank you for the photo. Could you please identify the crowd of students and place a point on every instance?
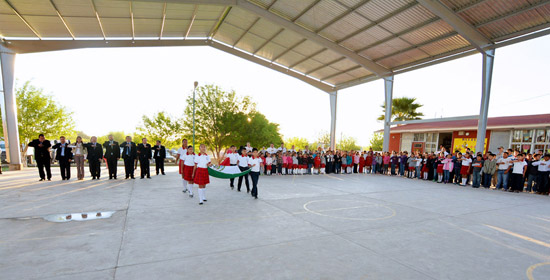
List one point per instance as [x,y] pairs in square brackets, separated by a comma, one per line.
[508,170]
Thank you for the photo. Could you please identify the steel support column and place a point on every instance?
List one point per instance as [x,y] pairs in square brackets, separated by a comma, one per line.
[388,96]
[9,109]
[488,61]
[333,106]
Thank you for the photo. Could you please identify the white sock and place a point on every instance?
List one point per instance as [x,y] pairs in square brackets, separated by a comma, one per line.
[184,184]
[190,188]
[440,178]
[200,195]
[464,181]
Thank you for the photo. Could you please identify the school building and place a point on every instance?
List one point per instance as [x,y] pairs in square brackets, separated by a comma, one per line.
[525,133]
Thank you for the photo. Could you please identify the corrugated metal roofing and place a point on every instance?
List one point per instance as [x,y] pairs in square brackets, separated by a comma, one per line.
[390,33]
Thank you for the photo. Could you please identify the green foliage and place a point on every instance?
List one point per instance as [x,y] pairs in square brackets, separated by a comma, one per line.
[377,142]
[163,127]
[118,136]
[39,113]
[299,143]
[347,144]
[403,109]
[223,119]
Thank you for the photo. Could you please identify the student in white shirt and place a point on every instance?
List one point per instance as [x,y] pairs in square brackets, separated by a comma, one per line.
[255,163]
[504,165]
[268,163]
[233,157]
[518,173]
[200,172]
[188,167]
[282,148]
[182,151]
[242,162]
[544,171]
[465,169]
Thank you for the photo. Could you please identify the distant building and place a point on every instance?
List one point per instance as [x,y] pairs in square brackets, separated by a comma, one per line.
[524,133]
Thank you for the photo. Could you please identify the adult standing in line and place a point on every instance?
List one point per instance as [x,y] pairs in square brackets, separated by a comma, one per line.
[248,147]
[129,154]
[272,150]
[63,155]
[95,155]
[79,152]
[42,156]
[159,156]
[144,154]
[112,153]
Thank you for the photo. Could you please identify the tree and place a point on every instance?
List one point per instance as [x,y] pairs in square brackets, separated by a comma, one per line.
[118,136]
[223,119]
[348,144]
[403,109]
[377,142]
[161,127]
[40,113]
[299,143]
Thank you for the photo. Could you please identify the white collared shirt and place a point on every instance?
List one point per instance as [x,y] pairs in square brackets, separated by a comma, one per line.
[466,162]
[233,157]
[202,160]
[243,161]
[506,161]
[518,167]
[182,152]
[543,166]
[189,160]
[255,164]
[271,150]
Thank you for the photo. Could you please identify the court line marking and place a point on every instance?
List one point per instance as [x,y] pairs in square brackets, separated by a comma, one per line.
[334,177]
[533,267]
[393,213]
[526,238]
[539,218]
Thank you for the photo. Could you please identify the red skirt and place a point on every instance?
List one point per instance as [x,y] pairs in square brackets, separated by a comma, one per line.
[269,167]
[440,168]
[344,165]
[295,166]
[316,165]
[304,166]
[201,176]
[188,173]
[323,165]
[425,168]
[181,166]
[411,167]
[285,165]
[464,170]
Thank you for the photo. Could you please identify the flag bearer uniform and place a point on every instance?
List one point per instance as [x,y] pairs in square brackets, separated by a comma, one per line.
[201,174]
[254,163]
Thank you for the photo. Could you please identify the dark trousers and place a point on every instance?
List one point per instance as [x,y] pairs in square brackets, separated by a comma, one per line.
[112,164]
[232,180]
[65,167]
[245,179]
[487,178]
[254,176]
[44,164]
[95,169]
[517,182]
[144,167]
[542,182]
[129,167]
[328,168]
[159,165]
[355,168]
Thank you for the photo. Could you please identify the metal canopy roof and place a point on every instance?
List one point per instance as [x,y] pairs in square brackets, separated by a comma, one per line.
[331,44]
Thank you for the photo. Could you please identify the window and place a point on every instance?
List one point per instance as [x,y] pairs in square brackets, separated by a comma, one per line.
[419,137]
[540,136]
[516,136]
[527,135]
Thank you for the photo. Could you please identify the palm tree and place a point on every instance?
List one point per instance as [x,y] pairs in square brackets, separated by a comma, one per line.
[403,109]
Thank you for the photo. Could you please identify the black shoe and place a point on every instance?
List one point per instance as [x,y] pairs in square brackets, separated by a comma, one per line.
[41,179]
[93,178]
[110,178]
[98,178]
[114,177]
[127,177]
[142,177]
[163,173]
[247,191]
[157,173]
[200,203]
[133,177]
[204,200]
[255,197]
[148,177]
[49,179]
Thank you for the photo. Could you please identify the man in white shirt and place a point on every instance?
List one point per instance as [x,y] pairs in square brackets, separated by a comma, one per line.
[248,147]
[272,150]
[282,148]
[504,165]
[293,149]
[242,162]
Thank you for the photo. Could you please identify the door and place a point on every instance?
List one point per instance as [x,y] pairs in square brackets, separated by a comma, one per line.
[417,147]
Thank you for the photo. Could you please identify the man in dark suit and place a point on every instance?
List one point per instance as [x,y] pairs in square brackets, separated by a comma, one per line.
[144,154]
[42,156]
[95,155]
[63,155]
[159,155]
[129,154]
[112,154]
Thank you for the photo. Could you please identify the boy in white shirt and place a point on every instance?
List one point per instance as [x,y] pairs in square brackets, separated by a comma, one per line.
[503,167]
[518,173]
[233,158]
[255,163]
[242,162]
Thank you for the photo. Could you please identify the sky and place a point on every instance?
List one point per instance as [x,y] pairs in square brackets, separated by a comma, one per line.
[111,89]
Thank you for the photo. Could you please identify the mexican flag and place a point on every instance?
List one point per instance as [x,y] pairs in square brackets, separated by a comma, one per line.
[226,172]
